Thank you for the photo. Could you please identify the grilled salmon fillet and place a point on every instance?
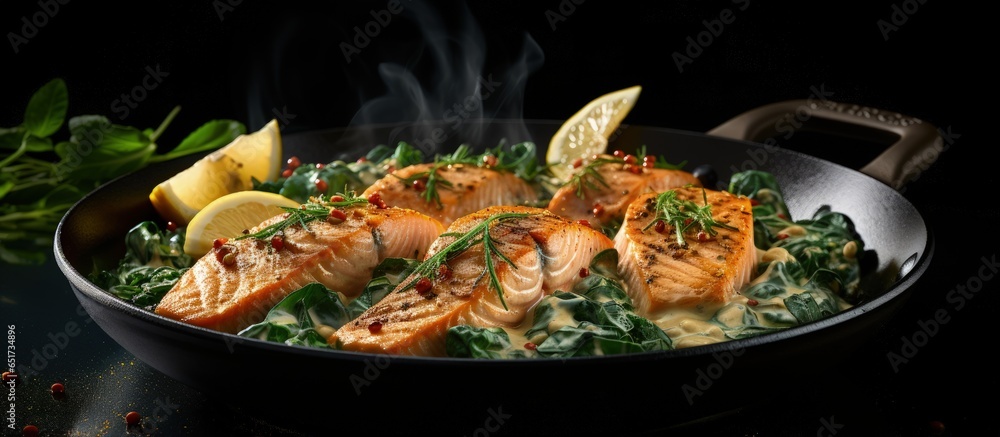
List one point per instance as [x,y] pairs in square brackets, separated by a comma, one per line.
[660,274]
[341,256]
[546,253]
[603,203]
[471,188]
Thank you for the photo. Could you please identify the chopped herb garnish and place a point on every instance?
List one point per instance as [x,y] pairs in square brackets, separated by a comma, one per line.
[684,214]
[317,208]
[588,177]
[479,234]
[519,159]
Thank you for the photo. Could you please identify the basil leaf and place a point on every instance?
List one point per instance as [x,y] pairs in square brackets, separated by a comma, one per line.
[47,108]
[98,132]
[11,139]
[101,150]
[209,136]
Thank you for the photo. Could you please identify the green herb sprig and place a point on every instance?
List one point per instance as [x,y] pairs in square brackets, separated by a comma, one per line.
[588,177]
[685,214]
[41,177]
[316,209]
[479,234]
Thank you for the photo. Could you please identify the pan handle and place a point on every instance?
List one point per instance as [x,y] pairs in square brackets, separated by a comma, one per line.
[917,143]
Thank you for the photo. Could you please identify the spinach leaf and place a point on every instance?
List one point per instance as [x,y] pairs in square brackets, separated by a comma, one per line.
[296,319]
[595,318]
[341,176]
[787,296]
[209,136]
[817,278]
[403,155]
[145,286]
[386,276]
[520,159]
[820,242]
[154,260]
[473,342]
[769,210]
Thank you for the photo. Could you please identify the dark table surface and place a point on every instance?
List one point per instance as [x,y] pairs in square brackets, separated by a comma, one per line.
[250,62]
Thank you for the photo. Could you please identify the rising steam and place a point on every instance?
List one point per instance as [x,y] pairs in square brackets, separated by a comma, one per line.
[456,98]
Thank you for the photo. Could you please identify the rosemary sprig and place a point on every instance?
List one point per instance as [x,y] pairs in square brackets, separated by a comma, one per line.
[317,208]
[520,159]
[685,214]
[479,234]
[589,177]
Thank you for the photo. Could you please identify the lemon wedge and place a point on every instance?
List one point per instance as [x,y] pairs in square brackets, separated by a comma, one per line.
[229,215]
[586,133]
[226,170]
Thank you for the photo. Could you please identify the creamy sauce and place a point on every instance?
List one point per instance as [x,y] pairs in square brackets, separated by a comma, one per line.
[699,325]
[695,326]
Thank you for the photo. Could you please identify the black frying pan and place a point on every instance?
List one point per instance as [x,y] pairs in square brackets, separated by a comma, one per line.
[334,392]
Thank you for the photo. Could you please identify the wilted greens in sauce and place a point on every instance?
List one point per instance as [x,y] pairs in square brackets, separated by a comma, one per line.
[595,318]
[308,316]
[154,260]
[808,269]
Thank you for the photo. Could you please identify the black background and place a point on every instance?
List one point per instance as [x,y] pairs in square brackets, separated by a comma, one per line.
[250,60]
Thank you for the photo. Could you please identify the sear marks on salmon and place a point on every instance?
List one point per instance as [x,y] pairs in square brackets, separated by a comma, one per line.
[341,256]
[546,253]
[659,274]
[603,204]
[471,189]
